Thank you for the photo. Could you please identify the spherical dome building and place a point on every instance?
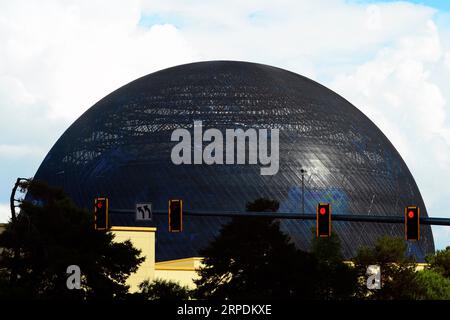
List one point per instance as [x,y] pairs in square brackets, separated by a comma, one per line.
[122,148]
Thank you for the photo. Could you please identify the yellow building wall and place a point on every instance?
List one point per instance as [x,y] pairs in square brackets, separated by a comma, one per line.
[142,238]
[421,266]
[182,271]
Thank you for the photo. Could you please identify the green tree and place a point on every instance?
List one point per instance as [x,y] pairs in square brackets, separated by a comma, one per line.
[51,233]
[252,258]
[262,205]
[440,262]
[434,285]
[338,280]
[398,271]
[160,289]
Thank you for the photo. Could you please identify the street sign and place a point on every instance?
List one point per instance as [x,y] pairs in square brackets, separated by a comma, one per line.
[143,211]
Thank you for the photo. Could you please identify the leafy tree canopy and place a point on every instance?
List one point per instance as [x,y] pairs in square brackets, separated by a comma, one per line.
[440,262]
[337,279]
[253,258]
[434,285]
[160,289]
[50,234]
[398,271]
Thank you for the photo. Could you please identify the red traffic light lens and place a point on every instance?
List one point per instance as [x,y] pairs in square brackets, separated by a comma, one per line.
[410,214]
[99,205]
[322,210]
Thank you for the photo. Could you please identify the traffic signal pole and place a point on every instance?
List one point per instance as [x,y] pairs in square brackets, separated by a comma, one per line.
[301,216]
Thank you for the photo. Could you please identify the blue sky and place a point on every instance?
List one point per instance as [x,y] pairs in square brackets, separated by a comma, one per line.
[390,59]
[442,5]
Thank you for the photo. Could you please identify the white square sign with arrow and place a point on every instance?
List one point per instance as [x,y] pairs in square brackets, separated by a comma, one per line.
[143,211]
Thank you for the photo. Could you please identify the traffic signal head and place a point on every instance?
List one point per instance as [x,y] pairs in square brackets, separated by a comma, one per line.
[175,215]
[323,220]
[101,214]
[412,223]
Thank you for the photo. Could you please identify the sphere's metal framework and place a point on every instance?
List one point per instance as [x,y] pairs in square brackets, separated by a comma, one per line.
[121,148]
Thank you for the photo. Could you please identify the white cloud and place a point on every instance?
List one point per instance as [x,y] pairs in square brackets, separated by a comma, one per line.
[71,53]
[397,91]
[5,213]
[374,18]
[58,58]
[447,60]
[18,151]
[68,55]
[327,33]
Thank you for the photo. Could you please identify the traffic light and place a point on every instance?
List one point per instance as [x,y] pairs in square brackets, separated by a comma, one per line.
[323,220]
[412,223]
[175,215]
[101,213]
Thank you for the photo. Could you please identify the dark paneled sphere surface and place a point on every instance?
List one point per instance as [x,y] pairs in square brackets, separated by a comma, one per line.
[121,148]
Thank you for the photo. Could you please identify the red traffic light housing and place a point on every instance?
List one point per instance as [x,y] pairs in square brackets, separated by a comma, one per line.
[175,215]
[323,220]
[412,223]
[101,214]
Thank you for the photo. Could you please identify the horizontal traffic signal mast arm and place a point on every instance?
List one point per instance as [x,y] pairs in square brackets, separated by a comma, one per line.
[311,216]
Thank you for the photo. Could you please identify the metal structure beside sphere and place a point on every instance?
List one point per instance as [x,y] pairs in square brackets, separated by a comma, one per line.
[121,148]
